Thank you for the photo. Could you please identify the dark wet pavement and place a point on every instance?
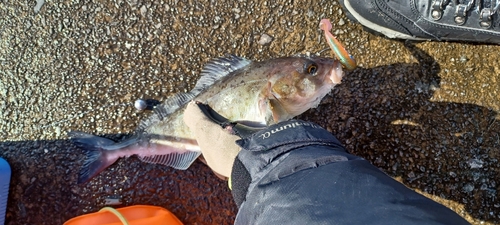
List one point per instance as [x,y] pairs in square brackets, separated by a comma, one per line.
[425,113]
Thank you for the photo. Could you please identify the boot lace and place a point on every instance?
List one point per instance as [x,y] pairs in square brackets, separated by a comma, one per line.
[487,8]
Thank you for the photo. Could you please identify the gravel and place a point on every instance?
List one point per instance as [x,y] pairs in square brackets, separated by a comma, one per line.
[425,113]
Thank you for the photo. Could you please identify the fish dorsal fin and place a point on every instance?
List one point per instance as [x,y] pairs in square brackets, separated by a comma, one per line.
[217,69]
[168,107]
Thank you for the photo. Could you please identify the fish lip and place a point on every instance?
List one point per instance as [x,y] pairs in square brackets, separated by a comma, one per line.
[336,73]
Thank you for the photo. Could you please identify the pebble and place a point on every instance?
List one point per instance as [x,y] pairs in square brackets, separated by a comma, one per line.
[144,10]
[468,187]
[475,163]
[265,39]
[341,22]
[38,6]
[112,201]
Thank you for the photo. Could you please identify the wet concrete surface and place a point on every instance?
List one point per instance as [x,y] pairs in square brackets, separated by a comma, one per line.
[425,113]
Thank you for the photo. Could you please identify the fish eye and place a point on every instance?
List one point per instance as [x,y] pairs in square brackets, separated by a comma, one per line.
[311,68]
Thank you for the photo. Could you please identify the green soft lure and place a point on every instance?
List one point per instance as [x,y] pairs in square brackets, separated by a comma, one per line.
[339,50]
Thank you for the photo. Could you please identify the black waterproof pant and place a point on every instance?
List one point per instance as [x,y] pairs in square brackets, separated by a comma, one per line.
[296,172]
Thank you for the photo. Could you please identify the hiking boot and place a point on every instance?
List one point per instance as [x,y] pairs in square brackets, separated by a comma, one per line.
[438,20]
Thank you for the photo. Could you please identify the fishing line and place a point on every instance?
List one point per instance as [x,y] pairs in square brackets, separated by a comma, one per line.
[321,51]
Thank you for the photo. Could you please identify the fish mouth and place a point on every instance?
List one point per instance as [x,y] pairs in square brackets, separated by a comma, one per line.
[336,73]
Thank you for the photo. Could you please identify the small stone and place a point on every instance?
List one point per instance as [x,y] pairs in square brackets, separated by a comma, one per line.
[341,22]
[38,6]
[463,59]
[112,201]
[144,10]
[468,187]
[265,39]
[58,131]
[475,163]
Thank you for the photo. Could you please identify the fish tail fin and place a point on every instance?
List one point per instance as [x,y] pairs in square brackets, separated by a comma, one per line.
[97,158]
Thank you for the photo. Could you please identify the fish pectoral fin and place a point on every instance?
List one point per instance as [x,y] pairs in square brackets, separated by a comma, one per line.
[265,111]
[180,161]
[265,106]
[272,111]
[279,113]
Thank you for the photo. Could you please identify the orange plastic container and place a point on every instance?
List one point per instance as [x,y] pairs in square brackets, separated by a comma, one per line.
[134,215]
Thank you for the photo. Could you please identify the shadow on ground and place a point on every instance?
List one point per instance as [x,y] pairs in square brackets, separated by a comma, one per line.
[444,149]
[448,150]
[44,184]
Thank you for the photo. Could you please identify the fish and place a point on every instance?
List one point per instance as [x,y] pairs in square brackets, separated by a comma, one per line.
[338,49]
[263,92]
